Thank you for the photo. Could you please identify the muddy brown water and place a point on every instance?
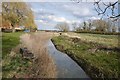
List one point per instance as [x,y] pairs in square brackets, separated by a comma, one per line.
[66,67]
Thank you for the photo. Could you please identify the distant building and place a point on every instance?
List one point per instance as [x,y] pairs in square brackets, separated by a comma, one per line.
[6,27]
[26,30]
[19,28]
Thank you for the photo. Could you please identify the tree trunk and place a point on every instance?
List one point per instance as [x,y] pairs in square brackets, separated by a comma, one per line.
[13,29]
[0,29]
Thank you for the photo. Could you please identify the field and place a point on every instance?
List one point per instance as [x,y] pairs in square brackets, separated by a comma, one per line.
[109,40]
[96,54]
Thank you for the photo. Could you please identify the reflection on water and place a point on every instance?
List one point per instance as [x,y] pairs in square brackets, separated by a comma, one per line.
[66,67]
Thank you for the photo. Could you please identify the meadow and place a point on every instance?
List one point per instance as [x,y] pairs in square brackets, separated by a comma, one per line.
[109,40]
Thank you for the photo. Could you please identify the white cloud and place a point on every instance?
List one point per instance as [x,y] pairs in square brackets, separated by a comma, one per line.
[38,10]
[58,19]
[80,10]
[54,18]
[41,21]
[63,19]
[94,18]
[44,26]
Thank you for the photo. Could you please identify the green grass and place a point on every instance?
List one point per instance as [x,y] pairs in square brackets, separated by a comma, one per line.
[12,65]
[96,64]
[109,40]
[9,41]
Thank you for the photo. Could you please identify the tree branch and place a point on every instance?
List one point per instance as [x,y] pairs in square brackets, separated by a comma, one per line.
[110,6]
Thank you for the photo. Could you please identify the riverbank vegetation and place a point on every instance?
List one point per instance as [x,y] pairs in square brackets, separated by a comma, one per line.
[43,65]
[97,59]
[12,61]
[14,65]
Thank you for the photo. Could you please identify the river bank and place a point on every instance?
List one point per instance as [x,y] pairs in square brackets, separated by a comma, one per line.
[96,62]
[66,67]
[14,65]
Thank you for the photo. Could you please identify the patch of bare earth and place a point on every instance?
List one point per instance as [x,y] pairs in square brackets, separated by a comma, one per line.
[43,65]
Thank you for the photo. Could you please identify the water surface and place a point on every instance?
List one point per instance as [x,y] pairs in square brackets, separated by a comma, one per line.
[66,67]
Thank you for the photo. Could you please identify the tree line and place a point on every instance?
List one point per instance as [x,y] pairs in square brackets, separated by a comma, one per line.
[17,14]
[99,25]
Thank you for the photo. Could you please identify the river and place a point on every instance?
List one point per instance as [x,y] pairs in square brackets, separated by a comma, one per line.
[66,67]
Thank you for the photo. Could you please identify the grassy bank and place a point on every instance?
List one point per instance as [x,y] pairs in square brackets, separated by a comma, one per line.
[109,40]
[43,65]
[12,62]
[9,41]
[96,59]
[14,65]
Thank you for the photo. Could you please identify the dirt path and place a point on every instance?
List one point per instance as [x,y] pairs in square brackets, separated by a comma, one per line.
[43,65]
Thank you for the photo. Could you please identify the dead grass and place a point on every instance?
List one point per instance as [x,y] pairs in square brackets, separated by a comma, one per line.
[43,65]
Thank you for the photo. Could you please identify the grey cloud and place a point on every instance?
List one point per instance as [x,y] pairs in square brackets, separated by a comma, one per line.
[80,10]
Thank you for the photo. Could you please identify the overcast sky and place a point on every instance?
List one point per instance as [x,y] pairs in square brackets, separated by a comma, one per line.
[48,14]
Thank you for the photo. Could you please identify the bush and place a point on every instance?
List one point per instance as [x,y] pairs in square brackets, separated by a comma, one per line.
[99,32]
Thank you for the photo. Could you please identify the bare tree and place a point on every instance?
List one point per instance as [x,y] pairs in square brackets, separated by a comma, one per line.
[114,27]
[62,26]
[108,6]
[110,24]
[74,26]
[0,20]
[100,25]
[85,26]
[89,24]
